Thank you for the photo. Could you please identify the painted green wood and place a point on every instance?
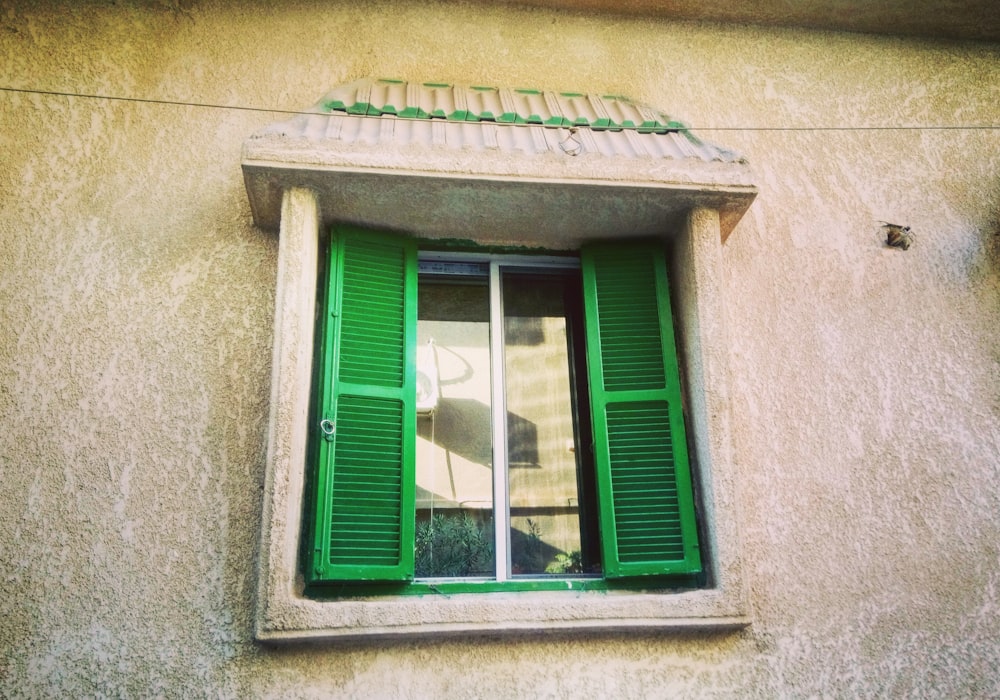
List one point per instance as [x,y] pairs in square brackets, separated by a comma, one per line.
[646,504]
[364,486]
[461,587]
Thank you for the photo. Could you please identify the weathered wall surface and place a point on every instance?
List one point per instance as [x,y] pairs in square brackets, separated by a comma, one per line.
[136,302]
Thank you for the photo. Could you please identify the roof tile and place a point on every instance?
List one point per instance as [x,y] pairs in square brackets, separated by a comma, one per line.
[532,121]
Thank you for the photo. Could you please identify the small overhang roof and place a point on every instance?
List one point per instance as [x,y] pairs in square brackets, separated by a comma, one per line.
[517,166]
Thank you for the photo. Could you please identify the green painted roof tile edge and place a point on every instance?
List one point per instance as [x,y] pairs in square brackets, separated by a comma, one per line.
[648,126]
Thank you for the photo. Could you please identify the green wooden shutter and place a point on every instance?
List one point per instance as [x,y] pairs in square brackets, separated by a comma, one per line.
[364,508]
[646,503]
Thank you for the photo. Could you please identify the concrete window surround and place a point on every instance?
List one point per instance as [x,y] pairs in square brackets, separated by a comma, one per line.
[303,196]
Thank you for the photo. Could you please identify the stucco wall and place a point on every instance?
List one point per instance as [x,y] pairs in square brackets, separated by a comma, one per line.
[136,299]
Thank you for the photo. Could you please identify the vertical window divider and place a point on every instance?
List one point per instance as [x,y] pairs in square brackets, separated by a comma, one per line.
[501,505]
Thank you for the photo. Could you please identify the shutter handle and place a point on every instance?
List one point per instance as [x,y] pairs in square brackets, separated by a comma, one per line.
[329,428]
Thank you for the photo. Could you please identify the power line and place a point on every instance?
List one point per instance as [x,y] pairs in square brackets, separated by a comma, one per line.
[241,108]
[143,100]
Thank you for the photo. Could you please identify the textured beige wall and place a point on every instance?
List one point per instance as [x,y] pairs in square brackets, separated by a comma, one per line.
[136,300]
[960,19]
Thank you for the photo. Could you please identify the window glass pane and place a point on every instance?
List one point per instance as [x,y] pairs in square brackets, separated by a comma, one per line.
[454,529]
[545,536]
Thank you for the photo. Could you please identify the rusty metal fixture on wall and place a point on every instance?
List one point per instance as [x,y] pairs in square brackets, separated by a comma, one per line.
[897,236]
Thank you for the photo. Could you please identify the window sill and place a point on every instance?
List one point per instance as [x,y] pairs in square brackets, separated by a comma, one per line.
[300,619]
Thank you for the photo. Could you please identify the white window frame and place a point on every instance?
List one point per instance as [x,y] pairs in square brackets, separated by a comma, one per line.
[284,613]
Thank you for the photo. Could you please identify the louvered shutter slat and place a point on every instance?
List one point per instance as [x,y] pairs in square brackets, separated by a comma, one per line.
[646,503]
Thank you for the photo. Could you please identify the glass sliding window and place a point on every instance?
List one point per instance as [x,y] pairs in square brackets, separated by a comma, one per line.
[540,312]
[500,487]
[454,534]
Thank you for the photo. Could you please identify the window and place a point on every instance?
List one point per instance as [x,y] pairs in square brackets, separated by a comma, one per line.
[501,419]
[509,185]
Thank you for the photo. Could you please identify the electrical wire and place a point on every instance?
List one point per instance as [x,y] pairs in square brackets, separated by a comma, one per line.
[143,100]
[242,108]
